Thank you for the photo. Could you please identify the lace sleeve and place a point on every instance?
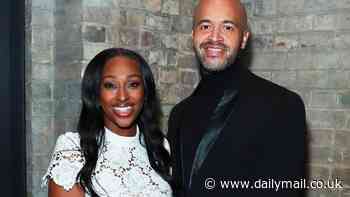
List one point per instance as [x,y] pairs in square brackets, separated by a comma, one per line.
[66,161]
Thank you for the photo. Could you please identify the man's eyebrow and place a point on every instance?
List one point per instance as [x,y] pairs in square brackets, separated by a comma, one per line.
[225,22]
[202,21]
[231,22]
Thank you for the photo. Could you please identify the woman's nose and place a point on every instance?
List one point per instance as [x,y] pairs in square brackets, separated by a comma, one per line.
[122,94]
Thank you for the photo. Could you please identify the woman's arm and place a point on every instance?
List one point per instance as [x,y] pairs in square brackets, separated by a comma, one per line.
[58,191]
[65,164]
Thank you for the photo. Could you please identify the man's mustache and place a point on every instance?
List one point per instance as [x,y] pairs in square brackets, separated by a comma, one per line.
[213,43]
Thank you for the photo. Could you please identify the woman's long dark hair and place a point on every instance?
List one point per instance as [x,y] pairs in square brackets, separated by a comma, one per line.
[91,124]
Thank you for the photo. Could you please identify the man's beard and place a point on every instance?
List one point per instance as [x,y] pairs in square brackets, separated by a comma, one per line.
[218,64]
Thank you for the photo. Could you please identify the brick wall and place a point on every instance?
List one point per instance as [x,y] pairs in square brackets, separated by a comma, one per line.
[301,44]
[40,31]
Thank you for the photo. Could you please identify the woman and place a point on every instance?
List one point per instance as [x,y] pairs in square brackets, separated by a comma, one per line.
[119,148]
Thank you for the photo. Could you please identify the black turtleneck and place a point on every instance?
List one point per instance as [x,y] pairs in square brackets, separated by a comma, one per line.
[215,82]
[204,101]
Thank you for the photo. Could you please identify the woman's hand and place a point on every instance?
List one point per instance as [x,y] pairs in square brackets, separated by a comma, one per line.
[58,191]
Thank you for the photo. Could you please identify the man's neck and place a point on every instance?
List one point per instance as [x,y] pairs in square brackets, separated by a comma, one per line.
[213,73]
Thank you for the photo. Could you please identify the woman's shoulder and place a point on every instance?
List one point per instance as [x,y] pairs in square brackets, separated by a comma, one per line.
[66,161]
[68,140]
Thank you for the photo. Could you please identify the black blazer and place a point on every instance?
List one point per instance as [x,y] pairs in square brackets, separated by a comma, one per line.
[263,141]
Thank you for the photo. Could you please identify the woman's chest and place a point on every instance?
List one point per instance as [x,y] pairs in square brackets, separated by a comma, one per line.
[126,171]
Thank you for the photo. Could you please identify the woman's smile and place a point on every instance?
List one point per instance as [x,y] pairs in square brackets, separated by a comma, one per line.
[123,111]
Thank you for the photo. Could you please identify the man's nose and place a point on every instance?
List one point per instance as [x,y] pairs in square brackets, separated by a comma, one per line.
[216,34]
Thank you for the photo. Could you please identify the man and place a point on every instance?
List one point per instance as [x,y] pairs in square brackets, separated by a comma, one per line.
[235,126]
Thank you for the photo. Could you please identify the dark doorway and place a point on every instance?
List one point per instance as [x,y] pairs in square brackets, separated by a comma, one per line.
[12,110]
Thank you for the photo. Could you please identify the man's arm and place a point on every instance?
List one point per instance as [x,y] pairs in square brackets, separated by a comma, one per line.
[174,140]
[291,143]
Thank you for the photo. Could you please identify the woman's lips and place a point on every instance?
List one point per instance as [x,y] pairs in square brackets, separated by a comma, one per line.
[123,111]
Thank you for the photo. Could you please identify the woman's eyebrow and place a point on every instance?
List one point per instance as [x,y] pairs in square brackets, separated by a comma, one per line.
[108,76]
[135,75]
[129,76]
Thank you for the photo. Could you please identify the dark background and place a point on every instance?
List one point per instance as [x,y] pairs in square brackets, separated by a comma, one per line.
[12,99]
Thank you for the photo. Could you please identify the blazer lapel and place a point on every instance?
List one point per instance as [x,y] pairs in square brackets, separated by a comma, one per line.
[218,120]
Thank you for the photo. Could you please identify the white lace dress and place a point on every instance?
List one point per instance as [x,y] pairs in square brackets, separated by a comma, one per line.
[122,170]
